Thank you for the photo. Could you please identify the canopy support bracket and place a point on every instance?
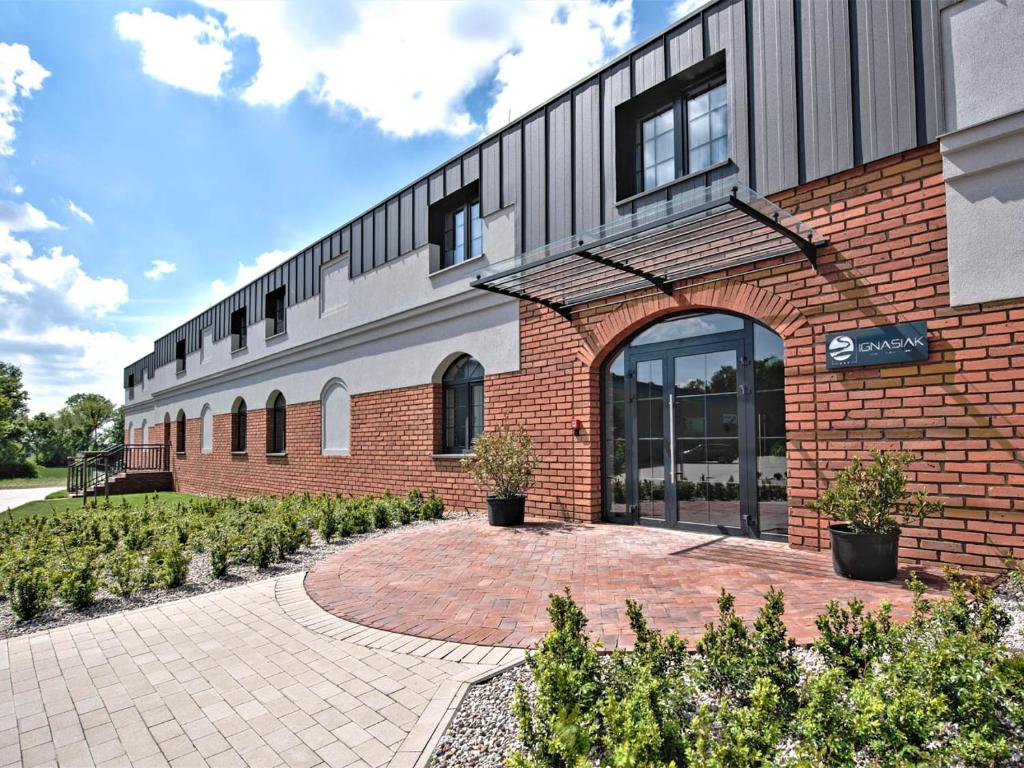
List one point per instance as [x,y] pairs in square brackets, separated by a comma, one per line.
[809,249]
[554,306]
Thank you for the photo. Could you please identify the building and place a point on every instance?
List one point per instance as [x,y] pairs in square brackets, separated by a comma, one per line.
[704,278]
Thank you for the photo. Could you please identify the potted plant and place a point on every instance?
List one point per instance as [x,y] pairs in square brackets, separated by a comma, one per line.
[502,463]
[868,501]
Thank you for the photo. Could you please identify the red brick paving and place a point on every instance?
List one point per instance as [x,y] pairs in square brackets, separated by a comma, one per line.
[471,583]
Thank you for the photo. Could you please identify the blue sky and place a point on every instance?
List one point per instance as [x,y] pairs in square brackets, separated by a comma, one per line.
[154,155]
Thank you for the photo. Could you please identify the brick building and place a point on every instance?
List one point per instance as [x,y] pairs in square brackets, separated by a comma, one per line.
[772,237]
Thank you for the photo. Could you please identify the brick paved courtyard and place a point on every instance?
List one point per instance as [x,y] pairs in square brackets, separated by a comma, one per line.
[256,675]
[471,583]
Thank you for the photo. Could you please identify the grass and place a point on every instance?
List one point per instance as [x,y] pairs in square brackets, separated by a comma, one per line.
[47,476]
[48,507]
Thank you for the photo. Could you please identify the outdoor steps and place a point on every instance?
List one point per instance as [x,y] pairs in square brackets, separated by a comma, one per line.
[135,481]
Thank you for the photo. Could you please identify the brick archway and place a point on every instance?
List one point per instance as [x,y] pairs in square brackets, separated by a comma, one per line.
[606,333]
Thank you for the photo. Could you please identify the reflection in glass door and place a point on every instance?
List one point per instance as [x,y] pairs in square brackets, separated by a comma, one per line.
[650,439]
[706,421]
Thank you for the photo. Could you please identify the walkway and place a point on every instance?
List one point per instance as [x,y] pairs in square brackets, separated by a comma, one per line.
[15,497]
[471,583]
[256,675]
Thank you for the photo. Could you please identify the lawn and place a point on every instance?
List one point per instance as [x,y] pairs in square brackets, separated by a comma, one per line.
[47,476]
[50,506]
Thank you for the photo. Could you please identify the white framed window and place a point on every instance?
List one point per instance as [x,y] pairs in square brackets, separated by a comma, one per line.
[335,419]
[206,430]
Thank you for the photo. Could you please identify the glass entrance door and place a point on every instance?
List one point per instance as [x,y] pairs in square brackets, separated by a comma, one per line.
[688,428]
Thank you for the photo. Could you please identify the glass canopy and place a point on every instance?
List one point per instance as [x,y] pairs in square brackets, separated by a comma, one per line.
[722,225]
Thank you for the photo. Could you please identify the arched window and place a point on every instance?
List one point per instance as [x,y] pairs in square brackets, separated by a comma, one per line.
[334,419]
[276,416]
[180,445]
[239,426]
[206,429]
[144,431]
[462,405]
[130,440]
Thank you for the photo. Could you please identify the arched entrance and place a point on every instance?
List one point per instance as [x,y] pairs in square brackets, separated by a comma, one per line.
[694,427]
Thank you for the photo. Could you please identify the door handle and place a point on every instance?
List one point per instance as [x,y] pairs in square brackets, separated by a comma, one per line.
[672,434]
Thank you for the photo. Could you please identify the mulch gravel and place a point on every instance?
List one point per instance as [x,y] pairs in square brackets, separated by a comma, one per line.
[484,731]
[199,582]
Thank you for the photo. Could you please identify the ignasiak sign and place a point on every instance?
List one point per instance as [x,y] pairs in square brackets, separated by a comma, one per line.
[880,345]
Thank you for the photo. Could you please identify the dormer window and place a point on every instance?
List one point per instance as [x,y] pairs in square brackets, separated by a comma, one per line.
[658,149]
[179,355]
[275,312]
[131,386]
[463,234]
[707,128]
[239,329]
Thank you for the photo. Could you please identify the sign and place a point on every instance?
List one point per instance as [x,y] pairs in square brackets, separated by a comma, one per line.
[881,345]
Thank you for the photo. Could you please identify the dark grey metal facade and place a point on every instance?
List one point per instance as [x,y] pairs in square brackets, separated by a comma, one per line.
[815,87]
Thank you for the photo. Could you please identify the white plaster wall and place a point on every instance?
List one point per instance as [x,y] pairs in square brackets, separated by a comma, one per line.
[393,329]
[983,153]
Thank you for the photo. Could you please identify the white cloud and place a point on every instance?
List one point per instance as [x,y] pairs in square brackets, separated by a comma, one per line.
[183,51]
[159,269]
[406,66]
[79,212]
[48,302]
[19,76]
[23,217]
[246,273]
[685,8]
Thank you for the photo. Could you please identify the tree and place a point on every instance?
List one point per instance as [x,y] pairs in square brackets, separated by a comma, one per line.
[83,416]
[46,440]
[114,434]
[13,414]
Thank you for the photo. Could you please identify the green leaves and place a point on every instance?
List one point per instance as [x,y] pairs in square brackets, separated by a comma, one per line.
[873,497]
[503,462]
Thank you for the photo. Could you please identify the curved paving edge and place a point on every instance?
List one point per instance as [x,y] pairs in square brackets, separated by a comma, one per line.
[479,663]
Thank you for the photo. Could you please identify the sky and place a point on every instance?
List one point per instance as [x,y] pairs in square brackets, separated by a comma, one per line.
[154,156]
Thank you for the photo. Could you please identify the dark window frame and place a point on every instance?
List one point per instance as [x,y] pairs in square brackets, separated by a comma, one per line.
[470,388]
[179,443]
[680,128]
[240,428]
[448,249]
[275,304]
[239,329]
[131,386]
[180,353]
[277,423]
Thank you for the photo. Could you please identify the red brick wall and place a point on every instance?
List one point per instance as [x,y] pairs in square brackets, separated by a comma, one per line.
[962,410]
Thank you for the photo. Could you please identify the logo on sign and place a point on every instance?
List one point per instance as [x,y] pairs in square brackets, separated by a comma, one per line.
[841,348]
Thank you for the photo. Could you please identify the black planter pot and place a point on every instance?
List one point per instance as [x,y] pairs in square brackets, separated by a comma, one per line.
[864,556]
[506,512]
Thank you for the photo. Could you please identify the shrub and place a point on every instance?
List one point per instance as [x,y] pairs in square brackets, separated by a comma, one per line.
[432,508]
[29,592]
[169,565]
[260,547]
[78,580]
[872,498]
[851,639]
[503,462]
[327,522]
[559,728]
[123,569]
[219,550]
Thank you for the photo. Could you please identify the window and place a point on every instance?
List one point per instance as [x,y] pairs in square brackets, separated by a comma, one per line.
[180,446]
[276,416]
[239,328]
[462,404]
[206,429]
[131,434]
[334,419]
[131,386]
[239,426]
[275,312]
[179,355]
[144,431]
[658,135]
[463,234]
[707,128]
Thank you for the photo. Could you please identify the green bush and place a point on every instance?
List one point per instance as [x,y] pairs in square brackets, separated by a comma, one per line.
[124,572]
[938,690]
[78,579]
[327,522]
[219,550]
[29,592]
[169,565]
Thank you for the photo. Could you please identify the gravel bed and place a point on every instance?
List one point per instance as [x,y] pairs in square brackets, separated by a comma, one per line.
[199,582]
[484,730]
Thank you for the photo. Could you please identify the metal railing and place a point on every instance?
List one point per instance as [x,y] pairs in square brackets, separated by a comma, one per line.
[91,471]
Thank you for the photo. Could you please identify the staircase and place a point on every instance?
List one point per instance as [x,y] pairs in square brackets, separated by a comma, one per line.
[121,469]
